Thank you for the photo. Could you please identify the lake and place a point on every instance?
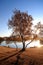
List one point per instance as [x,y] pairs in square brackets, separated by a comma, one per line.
[19,44]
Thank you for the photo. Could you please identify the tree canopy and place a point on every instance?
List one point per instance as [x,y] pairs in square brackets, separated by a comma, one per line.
[20,23]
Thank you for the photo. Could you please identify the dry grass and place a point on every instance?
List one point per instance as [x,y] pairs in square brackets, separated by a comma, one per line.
[32,56]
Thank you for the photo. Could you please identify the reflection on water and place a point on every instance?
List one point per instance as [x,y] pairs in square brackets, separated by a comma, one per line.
[19,44]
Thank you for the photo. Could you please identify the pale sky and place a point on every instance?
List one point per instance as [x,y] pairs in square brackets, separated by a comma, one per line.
[33,7]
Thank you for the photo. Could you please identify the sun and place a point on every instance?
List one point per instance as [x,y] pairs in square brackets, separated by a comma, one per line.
[39,46]
[34,44]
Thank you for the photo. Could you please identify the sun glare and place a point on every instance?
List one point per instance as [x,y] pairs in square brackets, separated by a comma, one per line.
[39,46]
[37,32]
[35,44]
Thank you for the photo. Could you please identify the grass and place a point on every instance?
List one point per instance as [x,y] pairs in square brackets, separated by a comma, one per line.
[32,56]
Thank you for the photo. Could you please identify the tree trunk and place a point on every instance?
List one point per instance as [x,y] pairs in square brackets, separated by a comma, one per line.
[23,43]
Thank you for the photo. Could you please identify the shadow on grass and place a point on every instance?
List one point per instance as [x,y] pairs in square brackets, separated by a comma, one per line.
[21,59]
[26,60]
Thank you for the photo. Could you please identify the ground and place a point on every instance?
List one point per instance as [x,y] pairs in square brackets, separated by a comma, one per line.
[10,56]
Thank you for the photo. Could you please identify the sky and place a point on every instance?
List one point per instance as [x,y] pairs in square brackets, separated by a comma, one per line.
[33,7]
